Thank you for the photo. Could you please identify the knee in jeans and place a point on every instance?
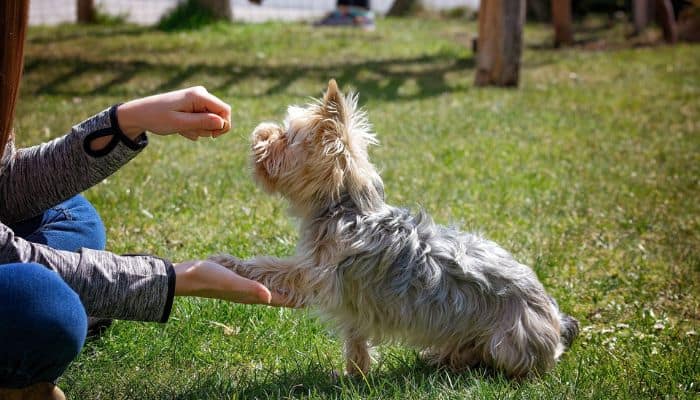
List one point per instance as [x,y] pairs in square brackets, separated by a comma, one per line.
[45,320]
[97,237]
[93,229]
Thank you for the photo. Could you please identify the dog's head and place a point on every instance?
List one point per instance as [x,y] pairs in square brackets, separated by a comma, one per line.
[319,154]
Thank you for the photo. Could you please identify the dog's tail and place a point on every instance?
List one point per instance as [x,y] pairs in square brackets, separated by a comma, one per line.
[568,328]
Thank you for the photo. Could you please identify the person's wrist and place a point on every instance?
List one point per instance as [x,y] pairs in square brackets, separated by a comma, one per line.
[127,118]
[185,284]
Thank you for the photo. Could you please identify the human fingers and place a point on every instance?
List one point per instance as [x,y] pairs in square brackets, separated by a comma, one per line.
[191,135]
[198,99]
[211,103]
[209,279]
[198,121]
[247,291]
[220,132]
[199,133]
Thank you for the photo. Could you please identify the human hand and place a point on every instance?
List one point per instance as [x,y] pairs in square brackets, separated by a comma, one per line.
[209,279]
[192,112]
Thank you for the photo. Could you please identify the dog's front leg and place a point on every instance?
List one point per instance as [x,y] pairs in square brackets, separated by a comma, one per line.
[357,357]
[286,276]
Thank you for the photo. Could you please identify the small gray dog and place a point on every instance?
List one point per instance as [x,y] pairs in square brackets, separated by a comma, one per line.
[381,274]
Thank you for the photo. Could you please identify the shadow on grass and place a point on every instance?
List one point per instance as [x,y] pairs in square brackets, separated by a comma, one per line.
[317,381]
[596,36]
[382,79]
[96,31]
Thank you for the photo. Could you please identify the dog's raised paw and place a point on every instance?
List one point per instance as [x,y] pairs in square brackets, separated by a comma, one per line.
[226,260]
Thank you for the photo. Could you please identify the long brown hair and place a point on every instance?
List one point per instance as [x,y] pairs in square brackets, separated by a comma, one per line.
[13,28]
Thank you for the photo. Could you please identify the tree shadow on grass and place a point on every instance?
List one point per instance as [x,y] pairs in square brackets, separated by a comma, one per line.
[96,31]
[599,35]
[395,78]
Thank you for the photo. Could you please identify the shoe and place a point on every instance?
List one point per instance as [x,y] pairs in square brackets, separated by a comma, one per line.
[336,18]
[97,326]
[349,16]
[38,391]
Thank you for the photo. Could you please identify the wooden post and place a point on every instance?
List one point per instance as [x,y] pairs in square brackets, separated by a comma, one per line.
[500,42]
[665,17]
[86,11]
[220,8]
[640,15]
[561,18]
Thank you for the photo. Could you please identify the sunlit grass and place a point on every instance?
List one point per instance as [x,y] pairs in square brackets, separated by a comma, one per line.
[589,172]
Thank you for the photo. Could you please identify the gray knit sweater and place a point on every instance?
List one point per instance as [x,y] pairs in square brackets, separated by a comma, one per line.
[37,178]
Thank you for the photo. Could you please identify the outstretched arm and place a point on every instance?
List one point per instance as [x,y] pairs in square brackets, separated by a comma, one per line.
[39,177]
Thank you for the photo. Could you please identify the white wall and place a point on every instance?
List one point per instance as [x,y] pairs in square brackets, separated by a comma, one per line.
[51,12]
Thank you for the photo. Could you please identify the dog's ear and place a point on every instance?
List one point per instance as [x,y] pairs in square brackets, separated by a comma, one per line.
[334,106]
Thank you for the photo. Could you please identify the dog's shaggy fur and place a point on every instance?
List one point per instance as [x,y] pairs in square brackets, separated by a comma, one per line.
[379,273]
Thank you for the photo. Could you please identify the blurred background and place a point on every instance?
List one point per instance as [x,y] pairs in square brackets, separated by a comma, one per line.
[150,11]
[147,12]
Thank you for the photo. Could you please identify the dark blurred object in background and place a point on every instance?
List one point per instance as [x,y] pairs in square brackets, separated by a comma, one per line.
[689,23]
[541,10]
[350,13]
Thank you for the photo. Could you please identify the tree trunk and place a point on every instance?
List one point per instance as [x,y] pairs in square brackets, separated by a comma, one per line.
[401,8]
[665,17]
[640,15]
[561,18]
[220,8]
[86,11]
[500,42]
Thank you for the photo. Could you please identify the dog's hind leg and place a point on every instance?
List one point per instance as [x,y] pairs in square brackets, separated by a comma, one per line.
[455,357]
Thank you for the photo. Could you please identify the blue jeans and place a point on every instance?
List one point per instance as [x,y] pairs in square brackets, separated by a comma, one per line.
[42,321]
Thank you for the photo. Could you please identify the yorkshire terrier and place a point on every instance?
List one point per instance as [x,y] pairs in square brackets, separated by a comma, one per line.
[379,273]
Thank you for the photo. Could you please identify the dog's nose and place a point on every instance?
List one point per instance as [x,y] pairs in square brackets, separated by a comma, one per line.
[265,132]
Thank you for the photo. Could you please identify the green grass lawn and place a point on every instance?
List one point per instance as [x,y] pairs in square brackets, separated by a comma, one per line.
[590,173]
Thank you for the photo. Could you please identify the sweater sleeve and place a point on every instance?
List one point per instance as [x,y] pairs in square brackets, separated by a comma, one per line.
[39,177]
[111,286]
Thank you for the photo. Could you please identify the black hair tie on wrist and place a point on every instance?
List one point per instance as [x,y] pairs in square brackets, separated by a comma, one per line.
[117,136]
[91,137]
